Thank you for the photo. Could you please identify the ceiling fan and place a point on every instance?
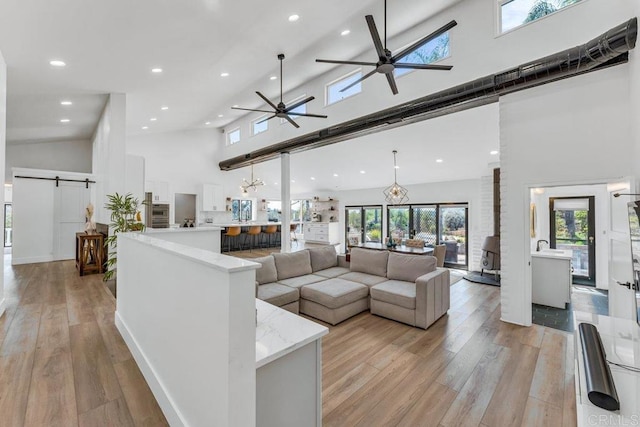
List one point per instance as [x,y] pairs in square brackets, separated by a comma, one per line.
[387,62]
[281,110]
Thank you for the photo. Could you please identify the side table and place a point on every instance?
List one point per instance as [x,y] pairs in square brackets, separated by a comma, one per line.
[89,253]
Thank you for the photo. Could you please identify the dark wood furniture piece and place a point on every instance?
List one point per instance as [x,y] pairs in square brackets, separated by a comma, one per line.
[400,248]
[90,253]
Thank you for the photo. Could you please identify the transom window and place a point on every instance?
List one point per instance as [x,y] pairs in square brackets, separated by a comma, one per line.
[233,136]
[514,13]
[332,90]
[302,109]
[430,52]
[259,126]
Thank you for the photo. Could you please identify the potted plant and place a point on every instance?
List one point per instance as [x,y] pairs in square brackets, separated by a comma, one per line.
[125,217]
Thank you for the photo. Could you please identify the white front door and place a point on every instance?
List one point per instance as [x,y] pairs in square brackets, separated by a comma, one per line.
[70,202]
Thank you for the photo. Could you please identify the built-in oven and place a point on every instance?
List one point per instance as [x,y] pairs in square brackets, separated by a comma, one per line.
[159,215]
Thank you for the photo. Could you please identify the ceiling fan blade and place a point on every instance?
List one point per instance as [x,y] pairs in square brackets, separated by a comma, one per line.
[265,119]
[320,116]
[392,83]
[290,120]
[426,39]
[366,76]
[375,35]
[330,61]
[267,100]
[251,109]
[422,66]
[299,103]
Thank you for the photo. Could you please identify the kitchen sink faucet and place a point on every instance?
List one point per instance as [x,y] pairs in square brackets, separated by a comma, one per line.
[538,244]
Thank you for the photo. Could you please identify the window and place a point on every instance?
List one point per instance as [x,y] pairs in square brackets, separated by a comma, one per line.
[301,210]
[274,210]
[8,225]
[428,53]
[234,136]
[241,209]
[260,125]
[302,109]
[514,13]
[332,90]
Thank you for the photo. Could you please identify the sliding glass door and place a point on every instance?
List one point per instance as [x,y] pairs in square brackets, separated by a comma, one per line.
[363,224]
[453,233]
[398,226]
[424,224]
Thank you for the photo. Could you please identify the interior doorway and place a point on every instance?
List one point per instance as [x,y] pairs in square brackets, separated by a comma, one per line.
[572,226]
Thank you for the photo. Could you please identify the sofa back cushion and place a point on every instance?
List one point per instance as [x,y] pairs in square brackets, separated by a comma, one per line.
[292,264]
[369,261]
[409,267]
[323,258]
[267,273]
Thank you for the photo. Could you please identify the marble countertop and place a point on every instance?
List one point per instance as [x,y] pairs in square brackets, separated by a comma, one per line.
[554,253]
[245,224]
[280,332]
[180,229]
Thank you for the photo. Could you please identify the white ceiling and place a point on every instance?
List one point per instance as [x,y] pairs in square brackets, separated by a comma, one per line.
[111,46]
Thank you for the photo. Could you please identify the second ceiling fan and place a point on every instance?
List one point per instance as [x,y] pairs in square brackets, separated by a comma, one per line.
[387,62]
[281,110]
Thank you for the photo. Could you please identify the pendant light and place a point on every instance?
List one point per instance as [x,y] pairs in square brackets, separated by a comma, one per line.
[395,194]
[250,185]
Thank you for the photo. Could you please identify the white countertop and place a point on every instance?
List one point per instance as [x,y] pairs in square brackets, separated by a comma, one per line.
[181,229]
[554,253]
[280,332]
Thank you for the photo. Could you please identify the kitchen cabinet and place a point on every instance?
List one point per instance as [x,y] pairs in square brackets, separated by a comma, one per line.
[159,191]
[322,232]
[325,210]
[551,277]
[212,197]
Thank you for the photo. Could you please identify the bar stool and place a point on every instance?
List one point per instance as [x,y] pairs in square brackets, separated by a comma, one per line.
[270,230]
[254,230]
[231,232]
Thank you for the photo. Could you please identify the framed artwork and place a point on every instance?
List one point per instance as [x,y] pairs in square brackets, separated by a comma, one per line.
[354,241]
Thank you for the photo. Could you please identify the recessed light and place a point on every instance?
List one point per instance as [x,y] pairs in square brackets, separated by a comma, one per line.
[293,18]
[66,103]
[164,108]
[494,152]
[275,183]
[439,160]
[153,119]
[207,123]
[156,70]
[220,116]
[335,174]
[145,127]
[345,32]
[57,63]
[273,78]
[313,179]
[64,120]
[293,181]
[224,74]
[235,105]
[397,167]
[363,171]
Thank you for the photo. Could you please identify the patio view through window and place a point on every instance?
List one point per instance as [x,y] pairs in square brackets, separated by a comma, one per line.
[514,13]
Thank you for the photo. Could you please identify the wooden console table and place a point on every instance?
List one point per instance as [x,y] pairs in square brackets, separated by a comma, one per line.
[90,253]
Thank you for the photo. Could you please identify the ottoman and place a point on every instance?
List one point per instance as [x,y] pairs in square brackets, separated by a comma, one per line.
[334,300]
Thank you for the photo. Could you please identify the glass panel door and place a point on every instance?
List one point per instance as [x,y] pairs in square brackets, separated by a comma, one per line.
[373,224]
[8,225]
[424,225]
[453,234]
[354,226]
[398,222]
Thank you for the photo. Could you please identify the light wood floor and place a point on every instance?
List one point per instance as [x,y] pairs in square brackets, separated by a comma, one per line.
[63,363]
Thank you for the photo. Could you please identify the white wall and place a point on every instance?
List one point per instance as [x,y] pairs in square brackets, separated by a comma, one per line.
[442,192]
[602,221]
[575,131]
[72,156]
[476,51]
[109,154]
[3,134]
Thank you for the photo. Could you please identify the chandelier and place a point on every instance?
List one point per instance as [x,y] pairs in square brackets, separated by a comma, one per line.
[250,185]
[395,194]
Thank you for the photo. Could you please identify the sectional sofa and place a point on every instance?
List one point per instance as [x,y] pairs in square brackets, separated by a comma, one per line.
[320,283]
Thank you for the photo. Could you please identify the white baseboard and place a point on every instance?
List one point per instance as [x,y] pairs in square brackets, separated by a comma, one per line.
[30,260]
[3,306]
[164,401]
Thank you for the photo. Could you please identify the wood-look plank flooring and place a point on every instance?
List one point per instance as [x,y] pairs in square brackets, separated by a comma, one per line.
[65,364]
[62,360]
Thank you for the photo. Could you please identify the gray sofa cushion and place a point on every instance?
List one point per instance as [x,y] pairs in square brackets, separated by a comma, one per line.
[364,278]
[396,292]
[296,282]
[334,293]
[323,258]
[267,273]
[409,267]
[369,261]
[332,272]
[292,264]
[277,294]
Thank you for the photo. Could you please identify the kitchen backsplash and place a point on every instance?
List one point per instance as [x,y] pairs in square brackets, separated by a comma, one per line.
[216,217]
